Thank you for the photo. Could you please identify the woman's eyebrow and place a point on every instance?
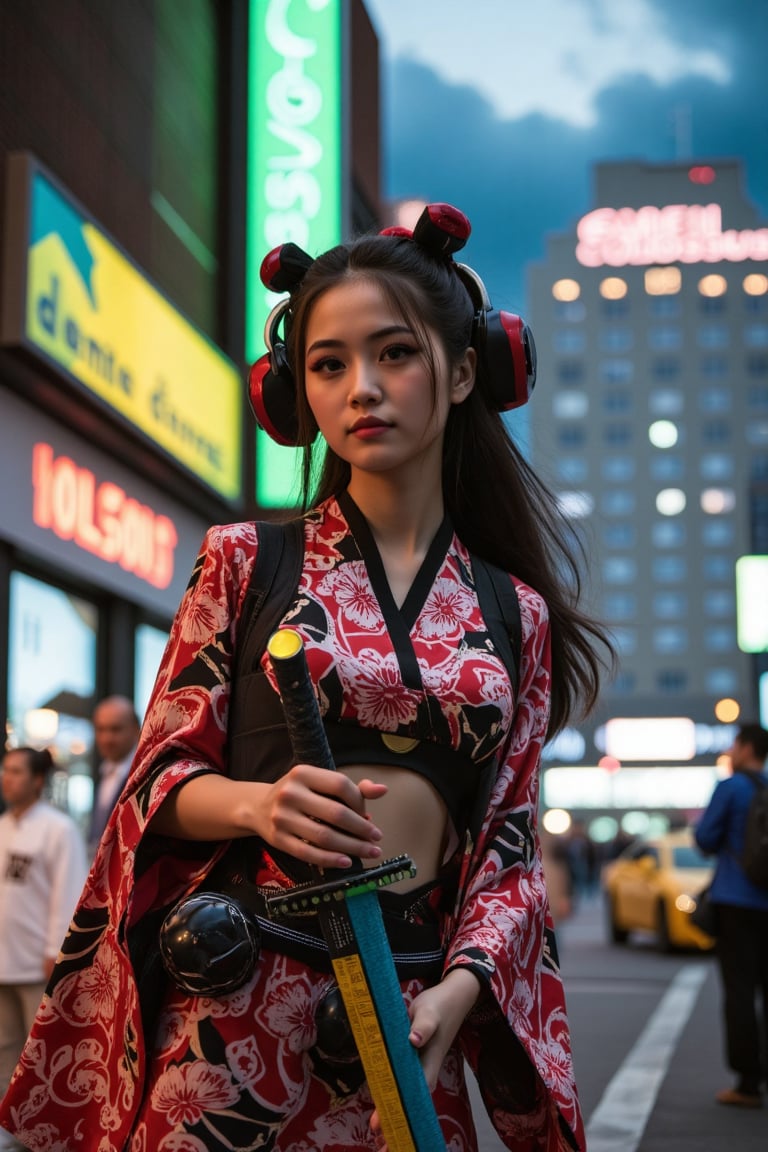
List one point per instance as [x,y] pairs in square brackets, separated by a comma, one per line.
[379,334]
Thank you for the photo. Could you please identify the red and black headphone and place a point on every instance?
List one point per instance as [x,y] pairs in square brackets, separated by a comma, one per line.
[503,341]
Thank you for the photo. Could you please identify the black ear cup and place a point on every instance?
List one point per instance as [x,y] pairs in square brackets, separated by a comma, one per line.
[271,385]
[510,357]
[272,388]
[505,345]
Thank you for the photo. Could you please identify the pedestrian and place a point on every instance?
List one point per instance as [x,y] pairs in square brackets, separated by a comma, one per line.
[390,349]
[116,728]
[42,872]
[742,920]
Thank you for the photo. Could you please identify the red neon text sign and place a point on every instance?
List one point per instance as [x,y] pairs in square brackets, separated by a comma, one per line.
[678,233]
[101,518]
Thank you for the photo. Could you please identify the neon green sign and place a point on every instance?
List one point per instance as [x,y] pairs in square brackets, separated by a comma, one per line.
[752,603]
[89,311]
[295,170]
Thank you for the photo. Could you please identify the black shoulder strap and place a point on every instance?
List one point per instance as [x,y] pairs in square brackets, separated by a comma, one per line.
[274,580]
[501,610]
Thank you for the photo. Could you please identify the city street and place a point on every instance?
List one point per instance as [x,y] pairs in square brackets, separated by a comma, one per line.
[647,1047]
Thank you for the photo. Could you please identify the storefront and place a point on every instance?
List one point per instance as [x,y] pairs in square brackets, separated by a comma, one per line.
[120,442]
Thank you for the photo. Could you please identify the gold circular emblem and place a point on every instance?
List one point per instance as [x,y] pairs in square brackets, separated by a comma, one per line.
[398,743]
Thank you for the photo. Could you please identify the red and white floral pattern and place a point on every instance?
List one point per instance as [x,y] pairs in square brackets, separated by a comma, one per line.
[237,1072]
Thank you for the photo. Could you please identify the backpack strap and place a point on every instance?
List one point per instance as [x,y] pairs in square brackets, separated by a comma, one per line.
[500,606]
[274,580]
[501,610]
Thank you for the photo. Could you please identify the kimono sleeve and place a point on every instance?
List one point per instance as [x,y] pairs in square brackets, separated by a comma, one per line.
[185,727]
[517,1040]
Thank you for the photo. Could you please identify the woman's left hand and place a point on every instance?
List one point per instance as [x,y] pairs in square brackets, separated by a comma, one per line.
[436,1015]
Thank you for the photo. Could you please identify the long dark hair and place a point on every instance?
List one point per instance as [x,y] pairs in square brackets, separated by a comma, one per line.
[498,506]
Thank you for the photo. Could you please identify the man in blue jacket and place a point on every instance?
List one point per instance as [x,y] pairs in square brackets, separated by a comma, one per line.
[742,941]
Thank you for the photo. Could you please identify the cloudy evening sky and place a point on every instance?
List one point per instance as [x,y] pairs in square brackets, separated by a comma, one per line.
[502,107]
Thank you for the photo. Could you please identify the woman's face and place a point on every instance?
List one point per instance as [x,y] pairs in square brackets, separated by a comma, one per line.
[369,384]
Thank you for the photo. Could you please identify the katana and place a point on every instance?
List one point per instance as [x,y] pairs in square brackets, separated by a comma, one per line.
[350,918]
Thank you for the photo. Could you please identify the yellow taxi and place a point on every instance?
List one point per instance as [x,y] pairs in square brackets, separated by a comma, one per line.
[652,887]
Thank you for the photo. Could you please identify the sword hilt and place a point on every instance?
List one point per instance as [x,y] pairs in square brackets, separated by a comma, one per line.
[304,898]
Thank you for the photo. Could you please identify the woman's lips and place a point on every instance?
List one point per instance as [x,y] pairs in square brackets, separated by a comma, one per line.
[369,428]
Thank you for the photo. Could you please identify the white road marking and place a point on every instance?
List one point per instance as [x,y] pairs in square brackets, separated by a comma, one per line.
[618,1122]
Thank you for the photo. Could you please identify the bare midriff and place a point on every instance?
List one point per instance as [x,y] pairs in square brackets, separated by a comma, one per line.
[412,817]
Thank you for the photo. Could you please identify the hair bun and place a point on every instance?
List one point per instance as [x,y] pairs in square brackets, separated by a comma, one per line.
[284,268]
[442,230]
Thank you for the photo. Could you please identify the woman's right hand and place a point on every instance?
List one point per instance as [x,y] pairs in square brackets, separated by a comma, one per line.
[319,816]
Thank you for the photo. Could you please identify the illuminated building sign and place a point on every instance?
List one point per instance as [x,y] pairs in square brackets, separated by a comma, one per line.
[644,788]
[73,298]
[677,233]
[101,518]
[295,169]
[752,603]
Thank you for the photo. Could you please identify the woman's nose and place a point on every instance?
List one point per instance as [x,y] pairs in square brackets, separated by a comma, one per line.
[364,383]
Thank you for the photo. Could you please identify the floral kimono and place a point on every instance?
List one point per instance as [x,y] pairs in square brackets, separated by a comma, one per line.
[121,1060]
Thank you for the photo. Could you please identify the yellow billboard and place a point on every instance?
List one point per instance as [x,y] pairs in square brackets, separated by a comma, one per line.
[90,312]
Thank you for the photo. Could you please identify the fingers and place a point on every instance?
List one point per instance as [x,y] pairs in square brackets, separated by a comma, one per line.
[319,816]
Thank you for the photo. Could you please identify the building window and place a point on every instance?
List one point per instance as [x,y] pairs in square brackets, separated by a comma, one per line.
[570,405]
[670,640]
[719,639]
[666,402]
[719,602]
[668,534]
[712,305]
[713,367]
[617,469]
[713,336]
[665,338]
[618,401]
[616,339]
[712,400]
[625,640]
[571,436]
[622,684]
[757,432]
[569,340]
[620,535]
[756,336]
[616,371]
[616,434]
[716,431]
[667,467]
[614,309]
[757,397]
[619,570]
[716,466]
[669,569]
[572,469]
[619,502]
[671,680]
[717,568]
[570,372]
[619,606]
[758,467]
[717,533]
[720,681]
[666,367]
[664,307]
[571,311]
[670,605]
[757,365]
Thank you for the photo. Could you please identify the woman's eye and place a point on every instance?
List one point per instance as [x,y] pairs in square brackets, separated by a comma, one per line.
[398,352]
[326,364]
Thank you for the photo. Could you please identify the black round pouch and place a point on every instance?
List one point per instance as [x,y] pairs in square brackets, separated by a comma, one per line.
[209,944]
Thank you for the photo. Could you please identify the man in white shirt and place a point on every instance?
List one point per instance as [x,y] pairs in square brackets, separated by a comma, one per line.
[42,871]
[116,732]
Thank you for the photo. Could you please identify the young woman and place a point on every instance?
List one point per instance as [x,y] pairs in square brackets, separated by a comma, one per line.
[392,351]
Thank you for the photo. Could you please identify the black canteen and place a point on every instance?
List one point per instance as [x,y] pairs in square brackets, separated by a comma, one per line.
[209,944]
